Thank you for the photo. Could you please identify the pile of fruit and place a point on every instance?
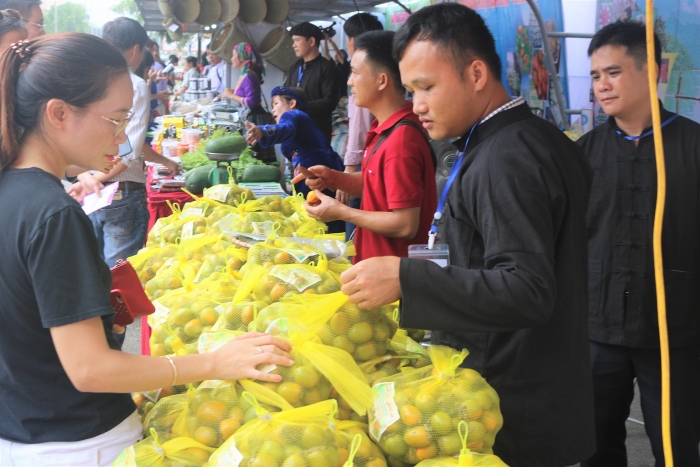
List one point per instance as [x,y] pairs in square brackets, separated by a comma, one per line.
[220,267]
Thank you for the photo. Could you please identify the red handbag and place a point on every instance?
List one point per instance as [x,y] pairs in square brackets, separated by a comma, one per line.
[128,298]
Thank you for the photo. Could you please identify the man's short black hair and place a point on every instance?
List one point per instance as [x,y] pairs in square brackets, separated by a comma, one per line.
[191,60]
[361,23]
[24,7]
[630,34]
[377,45]
[124,33]
[173,59]
[455,28]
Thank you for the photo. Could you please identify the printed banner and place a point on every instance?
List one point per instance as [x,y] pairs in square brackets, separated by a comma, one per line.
[519,43]
[396,16]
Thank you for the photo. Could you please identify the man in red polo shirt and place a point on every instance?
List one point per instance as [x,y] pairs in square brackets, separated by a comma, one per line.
[397,181]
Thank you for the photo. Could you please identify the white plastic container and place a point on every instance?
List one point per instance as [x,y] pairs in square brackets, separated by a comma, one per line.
[192,136]
[169,147]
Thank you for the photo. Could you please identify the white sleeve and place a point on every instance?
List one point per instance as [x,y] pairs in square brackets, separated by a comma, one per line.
[136,129]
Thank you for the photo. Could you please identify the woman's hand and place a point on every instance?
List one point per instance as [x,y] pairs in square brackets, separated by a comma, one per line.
[240,358]
[85,185]
[254,134]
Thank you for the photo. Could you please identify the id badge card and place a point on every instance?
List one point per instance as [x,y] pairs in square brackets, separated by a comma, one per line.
[439,254]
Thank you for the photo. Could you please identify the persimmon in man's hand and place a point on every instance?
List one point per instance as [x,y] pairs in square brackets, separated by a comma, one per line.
[312,199]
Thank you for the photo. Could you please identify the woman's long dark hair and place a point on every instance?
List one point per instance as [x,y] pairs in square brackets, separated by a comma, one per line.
[76,68]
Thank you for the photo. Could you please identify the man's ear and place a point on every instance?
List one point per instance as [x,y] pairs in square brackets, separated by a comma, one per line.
[383,81]
[312,41]
[293,104]
[478,73]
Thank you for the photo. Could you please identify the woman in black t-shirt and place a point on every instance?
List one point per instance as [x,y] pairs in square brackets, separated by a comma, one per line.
[63,381]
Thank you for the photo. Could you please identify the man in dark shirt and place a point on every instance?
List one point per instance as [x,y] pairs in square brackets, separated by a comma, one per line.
[515,292]
[622,299]
[315,75]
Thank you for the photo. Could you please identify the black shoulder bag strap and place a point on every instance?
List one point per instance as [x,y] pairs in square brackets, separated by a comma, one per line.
[383,137]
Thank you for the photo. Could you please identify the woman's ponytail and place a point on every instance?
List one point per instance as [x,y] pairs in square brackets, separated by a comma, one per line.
[11,66]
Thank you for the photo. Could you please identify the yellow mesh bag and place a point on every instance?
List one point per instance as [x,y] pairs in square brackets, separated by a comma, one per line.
[269,254]
[148,261]
[165,413]
[333,246]
[294,279]
[229,193]
[218,218]
[356,448]
[216,410]
[175,228]
[262,224]
[316,363]
[416,413]
[285,206]
[466,457]
[199,248]
[176,273]
[238,316]
[162,451]
[316,367]
[289,438]
[179,322]
[380,367]
[214,258]
[364,334]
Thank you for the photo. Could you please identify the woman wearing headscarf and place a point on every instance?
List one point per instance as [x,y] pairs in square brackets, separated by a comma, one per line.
[247,91]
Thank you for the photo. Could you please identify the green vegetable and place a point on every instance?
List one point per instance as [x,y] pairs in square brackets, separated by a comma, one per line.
[191,160]
[260,174]
[246,159]
[233,144]
[196,180]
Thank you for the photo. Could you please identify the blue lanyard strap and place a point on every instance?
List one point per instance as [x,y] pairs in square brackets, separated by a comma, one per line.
[644,135]
[300,75]
[446,190]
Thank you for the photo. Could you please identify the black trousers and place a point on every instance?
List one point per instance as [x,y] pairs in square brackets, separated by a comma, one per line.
[614,370]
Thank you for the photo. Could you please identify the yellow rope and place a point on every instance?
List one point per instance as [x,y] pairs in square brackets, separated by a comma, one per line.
[658,226]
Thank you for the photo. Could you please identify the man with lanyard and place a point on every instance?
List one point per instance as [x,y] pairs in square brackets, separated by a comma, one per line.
[359,118]
[216,73]
[397,182]
[624,335]
[315,75]
[514,293]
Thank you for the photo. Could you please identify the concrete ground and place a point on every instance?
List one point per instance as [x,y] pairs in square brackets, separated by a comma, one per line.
[638,448]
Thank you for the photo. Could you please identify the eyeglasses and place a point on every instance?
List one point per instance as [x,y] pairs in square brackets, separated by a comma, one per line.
[119,124]
[38,25]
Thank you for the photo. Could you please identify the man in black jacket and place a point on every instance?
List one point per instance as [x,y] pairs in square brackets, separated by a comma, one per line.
[622,300]
[515,292]
[315,75]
